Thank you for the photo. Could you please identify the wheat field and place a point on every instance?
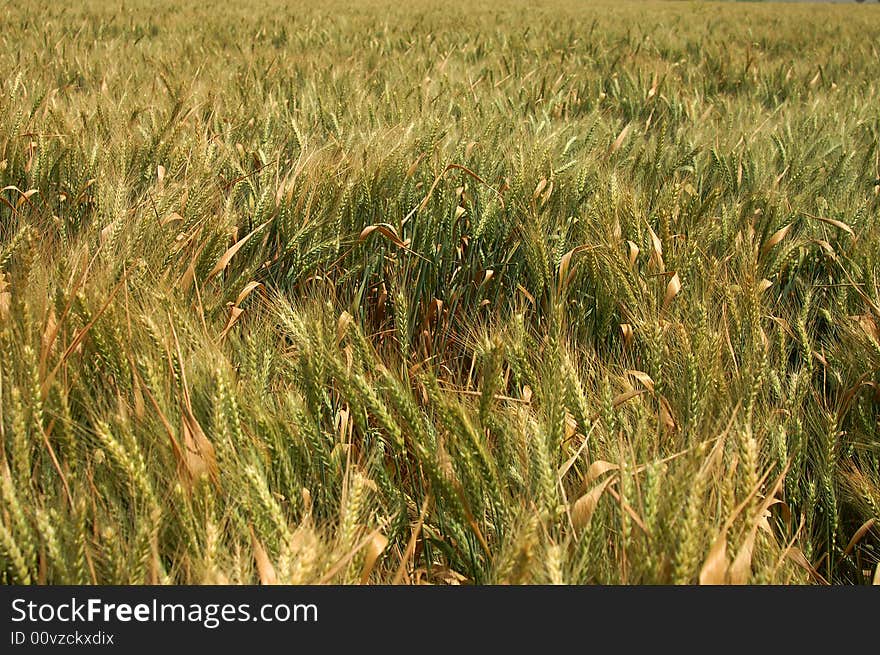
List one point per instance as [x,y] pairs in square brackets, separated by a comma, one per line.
[439,293]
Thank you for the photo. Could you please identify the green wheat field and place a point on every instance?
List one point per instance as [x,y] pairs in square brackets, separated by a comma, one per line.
[439,292]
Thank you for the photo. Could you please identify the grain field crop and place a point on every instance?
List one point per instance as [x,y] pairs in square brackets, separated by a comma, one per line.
[450,293]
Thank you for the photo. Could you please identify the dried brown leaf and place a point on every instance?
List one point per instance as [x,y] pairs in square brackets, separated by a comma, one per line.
[199,455]
[264,566]
[171,218]
[714,571]
[633,253]
[565,275]
[234,314]
[246,291]
[227,256]
[373,550]
[5,297]
[859,535]
[598,469]
[345,319]
[667,419]
[644,378]
[838,224]
[385,230]
[620,139]
[672,289]
[656,259]
[540,187]
[583,508]
[775,239]
[869,326]
[741,568]
[797,556]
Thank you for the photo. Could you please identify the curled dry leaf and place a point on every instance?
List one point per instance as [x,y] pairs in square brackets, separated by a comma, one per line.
[775,239]
[633,253]
[5,297]
[373,550]
[653,90]
[234,314]
[250,286]
[546,195]
[386,231]
[199,455]
[644,378]
[171,218]
[797,556]
[656,259]
[50,332]
[343,424]
[672,289]
[625,396]
[565,274]
[667,419]
[584,507]
[869,326]
[227,256]
[264,566]
[306,501]
[741,568]
[235,311]
[412,168]
[525,292]
[564,264]
[345,319]
[598,469]
[620,139]
[714,571]
[859,535]
[840,225]
[540,187]
[26,196]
